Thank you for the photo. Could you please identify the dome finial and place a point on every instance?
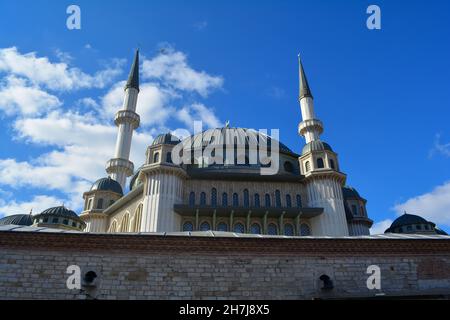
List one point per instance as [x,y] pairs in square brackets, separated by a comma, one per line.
[227,124]
[31,211]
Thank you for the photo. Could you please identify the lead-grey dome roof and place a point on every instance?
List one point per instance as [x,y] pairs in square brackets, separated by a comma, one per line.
[17,219]
[60,211]
[316,145]
[350,192]
[107,184]
[166,138]
[232,136]
[408,219]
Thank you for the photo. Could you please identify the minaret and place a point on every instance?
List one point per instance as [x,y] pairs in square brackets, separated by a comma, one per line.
[127,120]
[319,165]
[310,127]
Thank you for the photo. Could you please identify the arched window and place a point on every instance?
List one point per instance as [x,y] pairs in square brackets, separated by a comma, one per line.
[222,226]
[288,167]
[320,163]
[288,201]
[307,166]
[255,228]
[169,157]
[288,230]
[188,226]
[235,200]
[267,200]
[246,199]
[156,157]
[205,226]
[100,203]
[203,199]
[305,230]
[354,210]
[214,197]
[192,199]
[299,201]
[257,202]
[224,199]
[125,225]
[113,227]
[137,219]
[332,164]
[239,228]
[278,199]
[272,229]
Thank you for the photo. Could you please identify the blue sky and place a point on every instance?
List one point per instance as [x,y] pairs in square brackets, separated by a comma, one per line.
[383,95]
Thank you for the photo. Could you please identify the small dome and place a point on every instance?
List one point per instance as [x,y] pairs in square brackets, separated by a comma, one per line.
[107,184]
[316,145]
[350,192]
[407,219]
[17,219]
[134,181]
[60,211]
[440,231]
[166,138]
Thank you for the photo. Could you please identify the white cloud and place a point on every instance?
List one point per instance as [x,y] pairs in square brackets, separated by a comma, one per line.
[433,206]
[439,147]
[152,104]
[55,76]
[18,98]
[198,112]
[88,102]
[172,68]
[201,25]
[380,227]
[80,143]
[37,204]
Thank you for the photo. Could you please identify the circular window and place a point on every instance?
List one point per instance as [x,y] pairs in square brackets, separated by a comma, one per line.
[288,166]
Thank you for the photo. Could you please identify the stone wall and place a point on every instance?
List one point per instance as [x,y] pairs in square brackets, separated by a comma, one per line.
[33,266]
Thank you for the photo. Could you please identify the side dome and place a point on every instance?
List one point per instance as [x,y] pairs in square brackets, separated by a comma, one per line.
[60,211]
[316,145]
[410,222]
[17,219]
[107,184]
[166,138]
[407,219]
[350,192]
[134,181]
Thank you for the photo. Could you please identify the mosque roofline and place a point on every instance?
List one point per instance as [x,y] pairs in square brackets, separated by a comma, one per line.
[219,234]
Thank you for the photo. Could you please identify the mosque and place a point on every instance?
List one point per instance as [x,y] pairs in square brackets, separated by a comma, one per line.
[227,213]
[224,189]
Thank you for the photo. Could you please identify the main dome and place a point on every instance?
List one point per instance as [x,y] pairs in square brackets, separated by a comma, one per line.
[233,136]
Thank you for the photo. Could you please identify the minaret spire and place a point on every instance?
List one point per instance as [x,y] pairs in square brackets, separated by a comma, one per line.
[127,120]
[303,81]
[133,77]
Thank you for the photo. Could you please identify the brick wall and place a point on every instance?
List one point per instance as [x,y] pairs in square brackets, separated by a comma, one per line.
[33,266]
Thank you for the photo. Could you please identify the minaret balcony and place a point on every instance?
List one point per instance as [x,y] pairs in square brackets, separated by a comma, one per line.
[127,116]
[310,124]
[120,165]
